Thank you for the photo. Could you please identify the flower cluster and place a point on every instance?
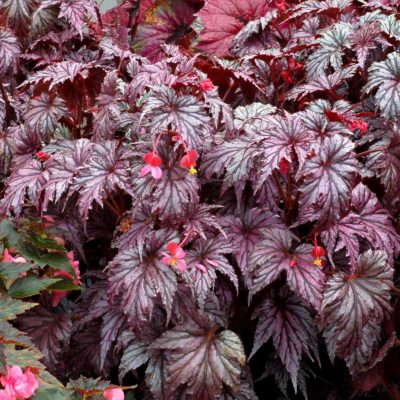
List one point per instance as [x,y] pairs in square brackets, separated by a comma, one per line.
[17,384]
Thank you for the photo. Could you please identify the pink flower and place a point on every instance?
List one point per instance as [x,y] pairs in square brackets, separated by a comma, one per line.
[189,161]
[175,257]
[58,295]
[206,85]
[114,394]
[7,257]
[18,385]
[153,161]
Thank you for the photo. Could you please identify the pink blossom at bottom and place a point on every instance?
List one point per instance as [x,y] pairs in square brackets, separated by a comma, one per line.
[156,172]
[18,385]
[114,394]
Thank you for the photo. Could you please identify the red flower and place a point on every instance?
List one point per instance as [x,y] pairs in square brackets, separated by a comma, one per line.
[293,64]
[153,161]
[206,85]
[189,161]
[318,251]
[42,156]
[175,257]
[358,124]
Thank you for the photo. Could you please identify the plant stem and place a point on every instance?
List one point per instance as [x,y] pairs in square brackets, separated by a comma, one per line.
[229,90]
[280,188]
[366,152]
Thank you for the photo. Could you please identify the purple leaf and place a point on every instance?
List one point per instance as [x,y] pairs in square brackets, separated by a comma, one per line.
[140,280]
[48,330]
[9,51]
[28,179]
[368,221]
[284,318]
[18,14]
[185,113]
[194,351]
[106,170]
[275,254]
[384,76]
[222,20]
[204,259]
[245,232]
[328,180]
[175,190]
[285,136]
[44,112]
[350,302]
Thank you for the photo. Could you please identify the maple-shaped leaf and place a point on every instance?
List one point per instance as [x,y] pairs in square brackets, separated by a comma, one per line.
[328,180]
[18,15]
[275,254]
[252,118]
[106,170]
[350,302]
[284,136]
[363,40]
[69,157]
[283,317]
[185,113]
[384,76]
[106,119]
[332,44]
[323,83]
[219,110]
[206,258]
[58,73]
[221,21]
[48,330]
[9,51]
[391,26]
[199,220]
[140,222]
[245,231]
[201,358]
[28,179]
[175,190]
[74,11]
[141,279]
[386,164]
[368,221]
[167,22]
[234,157]
[318,6]
[44,112]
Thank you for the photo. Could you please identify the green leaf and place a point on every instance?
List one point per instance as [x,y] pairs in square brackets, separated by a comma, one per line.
[10,271]
[29,286]
[13,336]
[8,231]
[3,361]
[10,308]
[52,393]
[57,261]
[45,242]
[64,284]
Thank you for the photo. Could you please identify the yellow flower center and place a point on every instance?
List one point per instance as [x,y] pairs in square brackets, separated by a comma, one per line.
[192,171]
[318,262]
[172,262]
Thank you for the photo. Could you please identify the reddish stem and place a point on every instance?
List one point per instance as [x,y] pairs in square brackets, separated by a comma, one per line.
[366,152]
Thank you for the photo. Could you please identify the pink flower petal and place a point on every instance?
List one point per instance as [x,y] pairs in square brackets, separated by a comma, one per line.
[181,265]
[5,395]
[145,170]
[156,172]
[114,394]
[180,253]
[166,259]
[201,268]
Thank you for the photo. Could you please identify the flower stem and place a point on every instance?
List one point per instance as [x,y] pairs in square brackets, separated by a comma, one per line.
[366,152]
